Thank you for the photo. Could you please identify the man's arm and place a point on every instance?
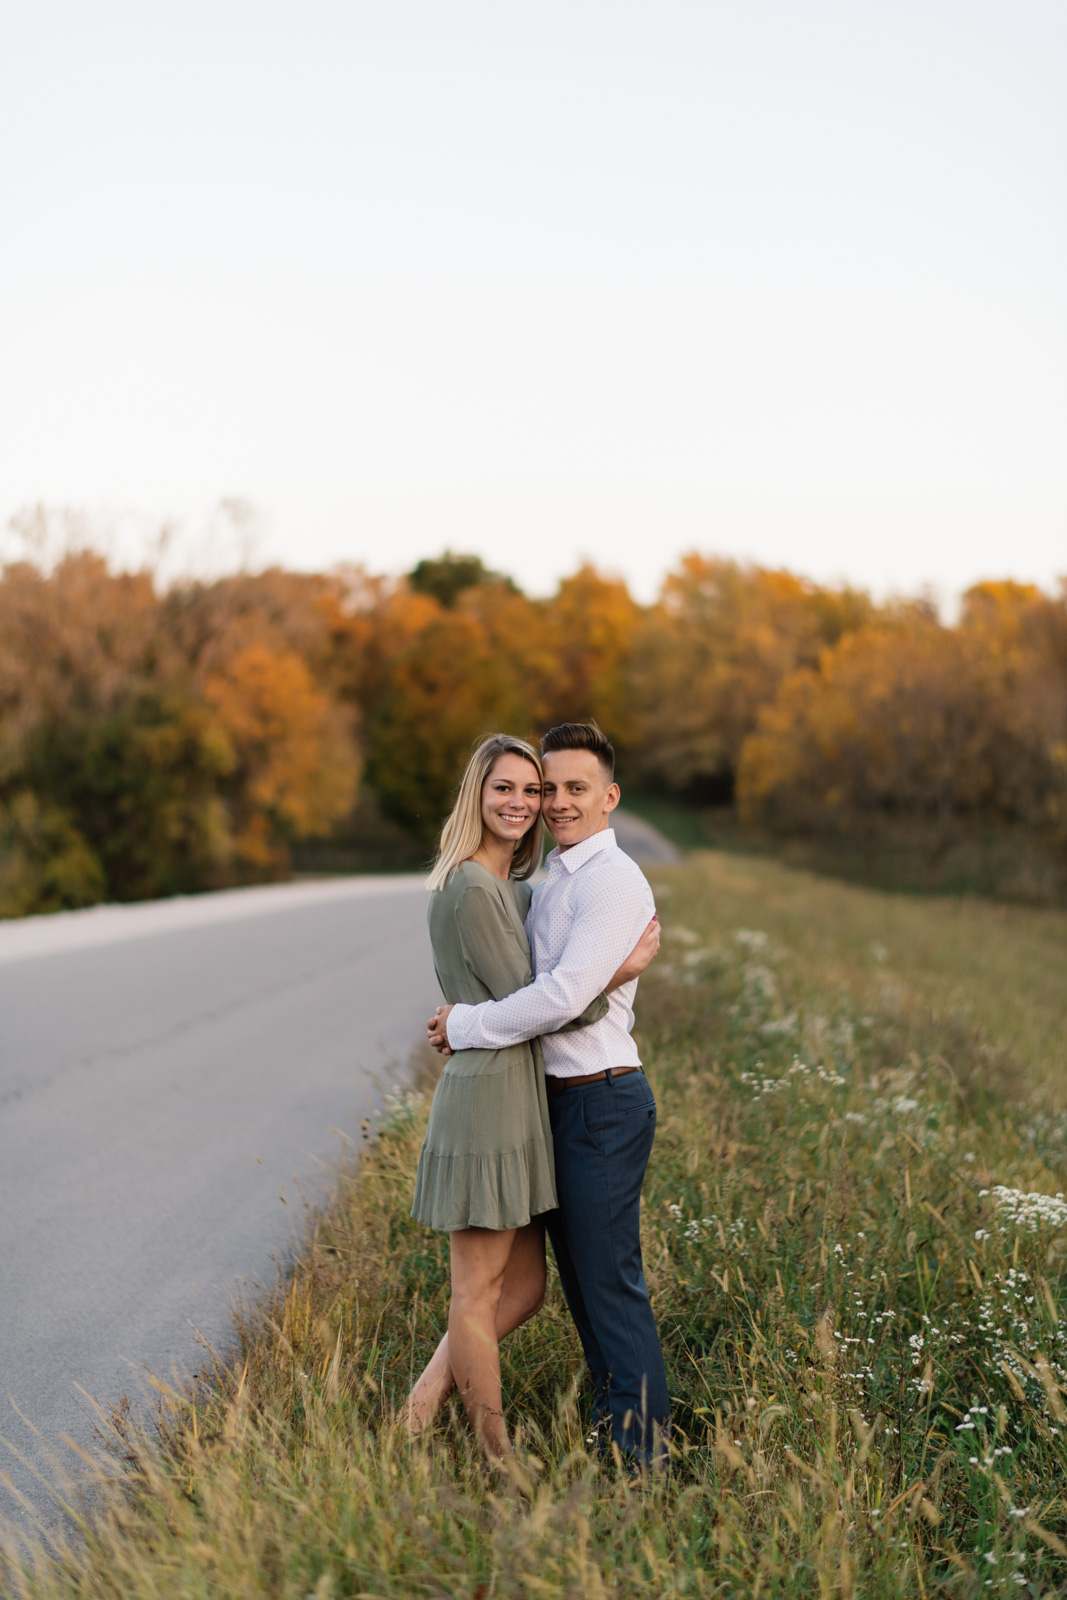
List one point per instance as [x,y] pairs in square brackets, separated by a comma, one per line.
[633,966]
[605,930]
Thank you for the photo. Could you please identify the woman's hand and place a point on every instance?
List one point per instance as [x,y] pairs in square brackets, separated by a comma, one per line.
[646,948]
[437,1029]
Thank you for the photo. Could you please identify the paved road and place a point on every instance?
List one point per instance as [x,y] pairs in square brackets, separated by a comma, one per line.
[642,841]
[164,1070]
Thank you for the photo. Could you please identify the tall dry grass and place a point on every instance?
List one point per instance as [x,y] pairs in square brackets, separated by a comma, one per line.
[863,1318]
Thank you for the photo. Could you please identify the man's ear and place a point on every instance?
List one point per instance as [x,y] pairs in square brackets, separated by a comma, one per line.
[612,797]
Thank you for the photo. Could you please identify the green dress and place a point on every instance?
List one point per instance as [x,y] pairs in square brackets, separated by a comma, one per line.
[486,1161]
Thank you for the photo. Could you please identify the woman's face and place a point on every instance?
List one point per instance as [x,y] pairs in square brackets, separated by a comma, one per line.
[511,798]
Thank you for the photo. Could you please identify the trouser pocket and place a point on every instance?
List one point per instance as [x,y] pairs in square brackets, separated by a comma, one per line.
[620,1118]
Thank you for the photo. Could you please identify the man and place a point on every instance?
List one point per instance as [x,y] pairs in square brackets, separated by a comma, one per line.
[583,922]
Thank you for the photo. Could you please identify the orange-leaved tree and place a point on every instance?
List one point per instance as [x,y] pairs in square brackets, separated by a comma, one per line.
[712,654]
[459,652]
[589,629]
[294,770]
[902,720]
[447,687]
[154,742]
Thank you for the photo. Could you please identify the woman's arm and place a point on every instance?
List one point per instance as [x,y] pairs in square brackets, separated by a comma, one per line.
[495,951]
[594,1011]
[641,956]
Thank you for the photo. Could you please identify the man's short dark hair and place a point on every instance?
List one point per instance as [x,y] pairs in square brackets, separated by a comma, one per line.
[582,736]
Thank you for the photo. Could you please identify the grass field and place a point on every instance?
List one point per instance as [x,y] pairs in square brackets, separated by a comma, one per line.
[1010,863]
[862,1306]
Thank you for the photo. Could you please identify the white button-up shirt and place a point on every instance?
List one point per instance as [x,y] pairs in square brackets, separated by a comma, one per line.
[583,922]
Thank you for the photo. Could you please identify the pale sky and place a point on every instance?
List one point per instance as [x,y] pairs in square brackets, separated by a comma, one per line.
[781,279]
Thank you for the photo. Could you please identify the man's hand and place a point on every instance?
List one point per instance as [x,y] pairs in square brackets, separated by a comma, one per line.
[638,959]
[437,1030]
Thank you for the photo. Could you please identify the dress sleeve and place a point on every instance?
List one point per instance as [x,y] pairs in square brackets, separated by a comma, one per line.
[491,947]
[598,1007]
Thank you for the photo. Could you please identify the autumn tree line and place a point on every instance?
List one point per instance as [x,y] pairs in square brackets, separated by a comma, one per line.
[160,738]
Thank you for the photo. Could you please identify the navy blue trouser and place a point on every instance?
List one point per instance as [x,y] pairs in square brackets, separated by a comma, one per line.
[602,1133]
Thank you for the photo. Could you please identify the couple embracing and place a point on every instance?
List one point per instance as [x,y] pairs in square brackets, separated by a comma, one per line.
[542,1119]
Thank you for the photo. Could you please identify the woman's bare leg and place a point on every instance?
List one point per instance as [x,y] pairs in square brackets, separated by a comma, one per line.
[479,1260]
[521,1296]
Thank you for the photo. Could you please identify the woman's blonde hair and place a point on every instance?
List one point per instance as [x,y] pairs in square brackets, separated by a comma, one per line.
[461,835]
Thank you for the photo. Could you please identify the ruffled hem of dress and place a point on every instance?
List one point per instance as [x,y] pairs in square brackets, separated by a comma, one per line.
[462,1190]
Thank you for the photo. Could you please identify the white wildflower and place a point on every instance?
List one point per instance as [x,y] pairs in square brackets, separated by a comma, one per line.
[779,1028]
[1028,1211]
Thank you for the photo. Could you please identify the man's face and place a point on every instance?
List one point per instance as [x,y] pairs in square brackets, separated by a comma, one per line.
[578,798]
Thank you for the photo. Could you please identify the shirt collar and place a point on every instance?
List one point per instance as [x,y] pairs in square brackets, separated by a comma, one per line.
[579,854]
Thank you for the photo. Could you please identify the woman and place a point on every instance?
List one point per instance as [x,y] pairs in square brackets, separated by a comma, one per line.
[486,1173]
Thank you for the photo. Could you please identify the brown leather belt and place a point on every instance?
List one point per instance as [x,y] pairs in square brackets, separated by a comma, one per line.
[557,1085]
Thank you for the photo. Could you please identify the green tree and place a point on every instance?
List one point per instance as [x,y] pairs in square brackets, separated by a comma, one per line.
[46,864]
[142,780]
[446,577]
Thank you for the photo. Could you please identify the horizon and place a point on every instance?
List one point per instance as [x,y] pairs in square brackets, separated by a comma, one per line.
[160,552]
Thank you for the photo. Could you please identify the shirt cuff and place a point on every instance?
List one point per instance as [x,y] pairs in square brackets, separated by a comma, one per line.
[454,1026]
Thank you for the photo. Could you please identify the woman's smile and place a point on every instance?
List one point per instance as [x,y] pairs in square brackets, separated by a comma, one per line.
[511,807]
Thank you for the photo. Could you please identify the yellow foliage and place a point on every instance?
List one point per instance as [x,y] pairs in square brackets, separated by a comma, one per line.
[448,687]
[155,740]
[153,743]
[590,626]
[295,770]
[713,652]
[906,719]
